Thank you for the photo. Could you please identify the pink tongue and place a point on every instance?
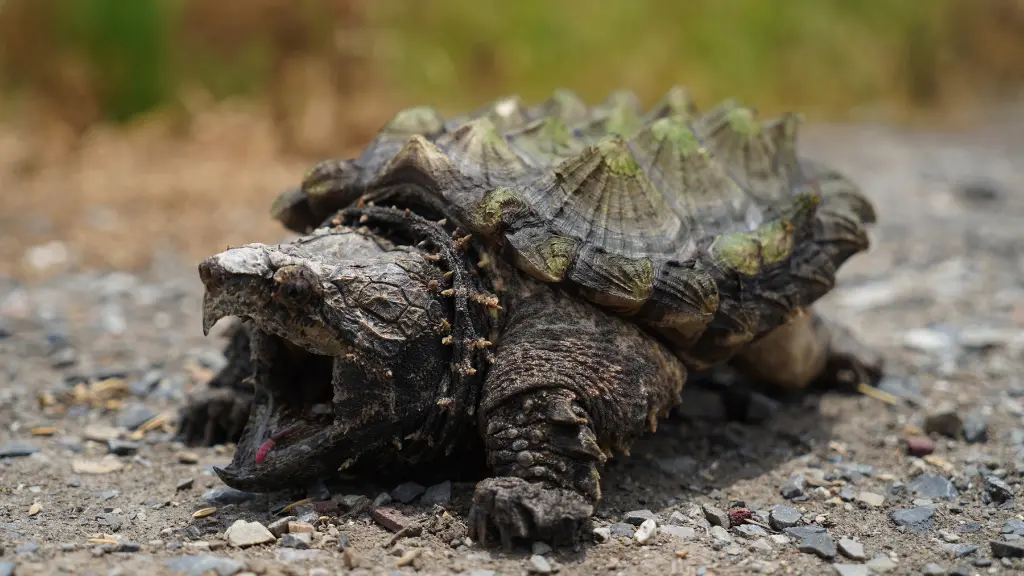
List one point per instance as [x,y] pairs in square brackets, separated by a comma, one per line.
[263,450]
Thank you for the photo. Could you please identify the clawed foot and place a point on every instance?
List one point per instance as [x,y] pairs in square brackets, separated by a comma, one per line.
[216,416]
[529,511]
[850,361]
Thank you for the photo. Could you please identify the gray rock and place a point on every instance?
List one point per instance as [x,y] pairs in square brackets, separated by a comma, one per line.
[847,494]
[407,492]
[134,415]
[279,527]
[681,532]
[918,520]
[6,568]
[852,549]
[1003,549]
[382,499]
[27,548]
[813,540]
[222,496]
[751,531]
[997,490]
[637,517]
[933,486]
[716,516]
[541,548]
[794,487]
[621,529]
[540,565]
[602,534]
[17,450]
[944,420]
[905,387]
[1014,526]
[851,569]
[298,541]
[145,385]
[437,494]
[122,447]
[721,534]
[933,569]
[975,428]
[203,565]
[676,518]
[782,517]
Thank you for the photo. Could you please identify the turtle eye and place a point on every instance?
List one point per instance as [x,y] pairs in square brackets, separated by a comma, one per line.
[292,288]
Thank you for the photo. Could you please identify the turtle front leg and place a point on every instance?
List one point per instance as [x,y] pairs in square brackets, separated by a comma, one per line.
[569,385]
[219,412]
[810,349]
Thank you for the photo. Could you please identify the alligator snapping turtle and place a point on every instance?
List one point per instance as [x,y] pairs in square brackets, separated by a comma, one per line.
[540,281]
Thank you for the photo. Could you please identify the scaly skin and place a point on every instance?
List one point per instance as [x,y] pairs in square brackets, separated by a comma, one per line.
[345,376]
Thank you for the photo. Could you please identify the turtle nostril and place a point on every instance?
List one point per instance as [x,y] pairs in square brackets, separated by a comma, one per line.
[209,275]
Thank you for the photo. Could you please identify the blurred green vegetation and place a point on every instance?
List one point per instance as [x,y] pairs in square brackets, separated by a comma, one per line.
[825,57]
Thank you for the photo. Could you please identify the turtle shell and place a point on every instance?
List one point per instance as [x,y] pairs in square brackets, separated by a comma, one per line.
[705,227]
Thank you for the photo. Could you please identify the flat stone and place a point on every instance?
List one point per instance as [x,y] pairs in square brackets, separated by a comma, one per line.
[782,517]
[646,531]
[17,450]
[871,499]
[122,447]
[751,531]
[602,534]
[295,555]
[389,518]
[203,565]
[944,420]
[134,415]
[301,540]
[681,532]
[813,540]
[222,496]
[540,547]
[881,564]
[852,549]
[975,428]
[965,550]
[539,565]
[1003,549]
[407,492]
[437,494]
[917,520]
[933,569]
[715,515]
[638,517]
[1013,526]
[719,533]
[933,486]
[244,534]
[851,569]
[621,529]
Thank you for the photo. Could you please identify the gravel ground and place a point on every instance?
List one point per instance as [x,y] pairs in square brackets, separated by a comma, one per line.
[93,366]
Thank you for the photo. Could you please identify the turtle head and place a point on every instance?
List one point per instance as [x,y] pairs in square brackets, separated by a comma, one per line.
[347,352]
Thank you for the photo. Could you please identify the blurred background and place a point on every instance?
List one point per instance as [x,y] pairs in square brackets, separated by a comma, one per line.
[136,129]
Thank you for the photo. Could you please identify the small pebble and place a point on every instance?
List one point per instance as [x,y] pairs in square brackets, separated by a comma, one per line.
[782,517]
[244,534]
[407,492]
[715,515]
[794,487]
[620,529]
[852,549]
[440,494]
[920,446]
[646,531]
[975,428]
[300,541]
[539,565]
[871,499]
[944,420]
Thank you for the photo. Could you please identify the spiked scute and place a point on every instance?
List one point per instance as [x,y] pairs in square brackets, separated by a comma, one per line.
[705,227]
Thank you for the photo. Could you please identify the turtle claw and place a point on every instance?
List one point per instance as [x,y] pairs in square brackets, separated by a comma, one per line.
[521,510]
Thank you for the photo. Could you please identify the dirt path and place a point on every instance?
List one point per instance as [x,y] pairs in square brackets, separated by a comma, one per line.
[87,357]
